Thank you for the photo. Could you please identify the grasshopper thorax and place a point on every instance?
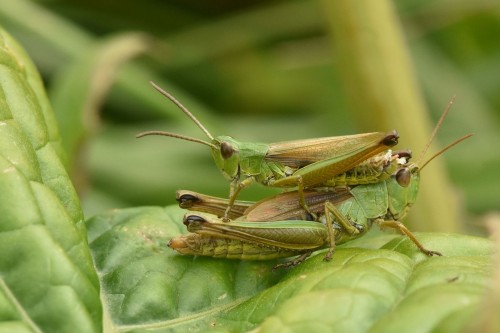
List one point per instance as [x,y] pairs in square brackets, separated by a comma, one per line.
[238,159]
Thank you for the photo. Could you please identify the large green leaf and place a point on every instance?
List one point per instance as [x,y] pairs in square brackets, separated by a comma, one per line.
[47,279]
[391,288]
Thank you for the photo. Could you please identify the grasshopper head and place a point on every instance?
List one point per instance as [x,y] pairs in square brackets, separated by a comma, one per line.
[404,184]
[225,151]
[403,188]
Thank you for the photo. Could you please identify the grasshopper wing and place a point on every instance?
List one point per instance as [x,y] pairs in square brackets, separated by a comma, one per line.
[329,158]
[296,235]
[300,153]
[286,206]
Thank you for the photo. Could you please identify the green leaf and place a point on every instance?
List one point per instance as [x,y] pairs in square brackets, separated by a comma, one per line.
[48,282]
[147,286]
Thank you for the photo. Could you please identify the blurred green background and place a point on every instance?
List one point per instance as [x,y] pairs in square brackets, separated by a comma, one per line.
[256,70]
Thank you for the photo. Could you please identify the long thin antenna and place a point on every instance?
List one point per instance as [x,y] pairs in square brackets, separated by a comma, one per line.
[446,148]
[178,136]
[436,128]
[183,109]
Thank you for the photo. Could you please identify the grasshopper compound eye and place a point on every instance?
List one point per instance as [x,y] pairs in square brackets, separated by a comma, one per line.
[226,150]
[403,177]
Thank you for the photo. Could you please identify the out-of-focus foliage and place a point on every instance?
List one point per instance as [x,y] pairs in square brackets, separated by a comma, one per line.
[261,71]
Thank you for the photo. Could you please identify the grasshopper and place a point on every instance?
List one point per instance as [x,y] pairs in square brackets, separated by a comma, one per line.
[345,215]
[300,163]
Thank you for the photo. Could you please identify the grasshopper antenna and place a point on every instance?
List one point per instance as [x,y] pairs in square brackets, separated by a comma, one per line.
[446,148]
[183,109]
[433,135]
[436,128]
[173,135]
[189,114]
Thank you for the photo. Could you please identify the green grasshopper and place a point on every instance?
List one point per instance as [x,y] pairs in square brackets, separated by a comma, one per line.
[345,215]
[300,163]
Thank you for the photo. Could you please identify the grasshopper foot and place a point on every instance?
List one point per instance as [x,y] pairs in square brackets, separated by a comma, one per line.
[294,262]
[430,253]
[328,255]
[226,218]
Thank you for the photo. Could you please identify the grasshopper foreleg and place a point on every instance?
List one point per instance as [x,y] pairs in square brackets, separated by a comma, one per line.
[234,190]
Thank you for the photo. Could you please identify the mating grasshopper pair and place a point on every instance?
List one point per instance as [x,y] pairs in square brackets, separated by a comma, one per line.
[384,186]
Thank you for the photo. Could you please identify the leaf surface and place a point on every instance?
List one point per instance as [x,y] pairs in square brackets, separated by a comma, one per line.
[389,288]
